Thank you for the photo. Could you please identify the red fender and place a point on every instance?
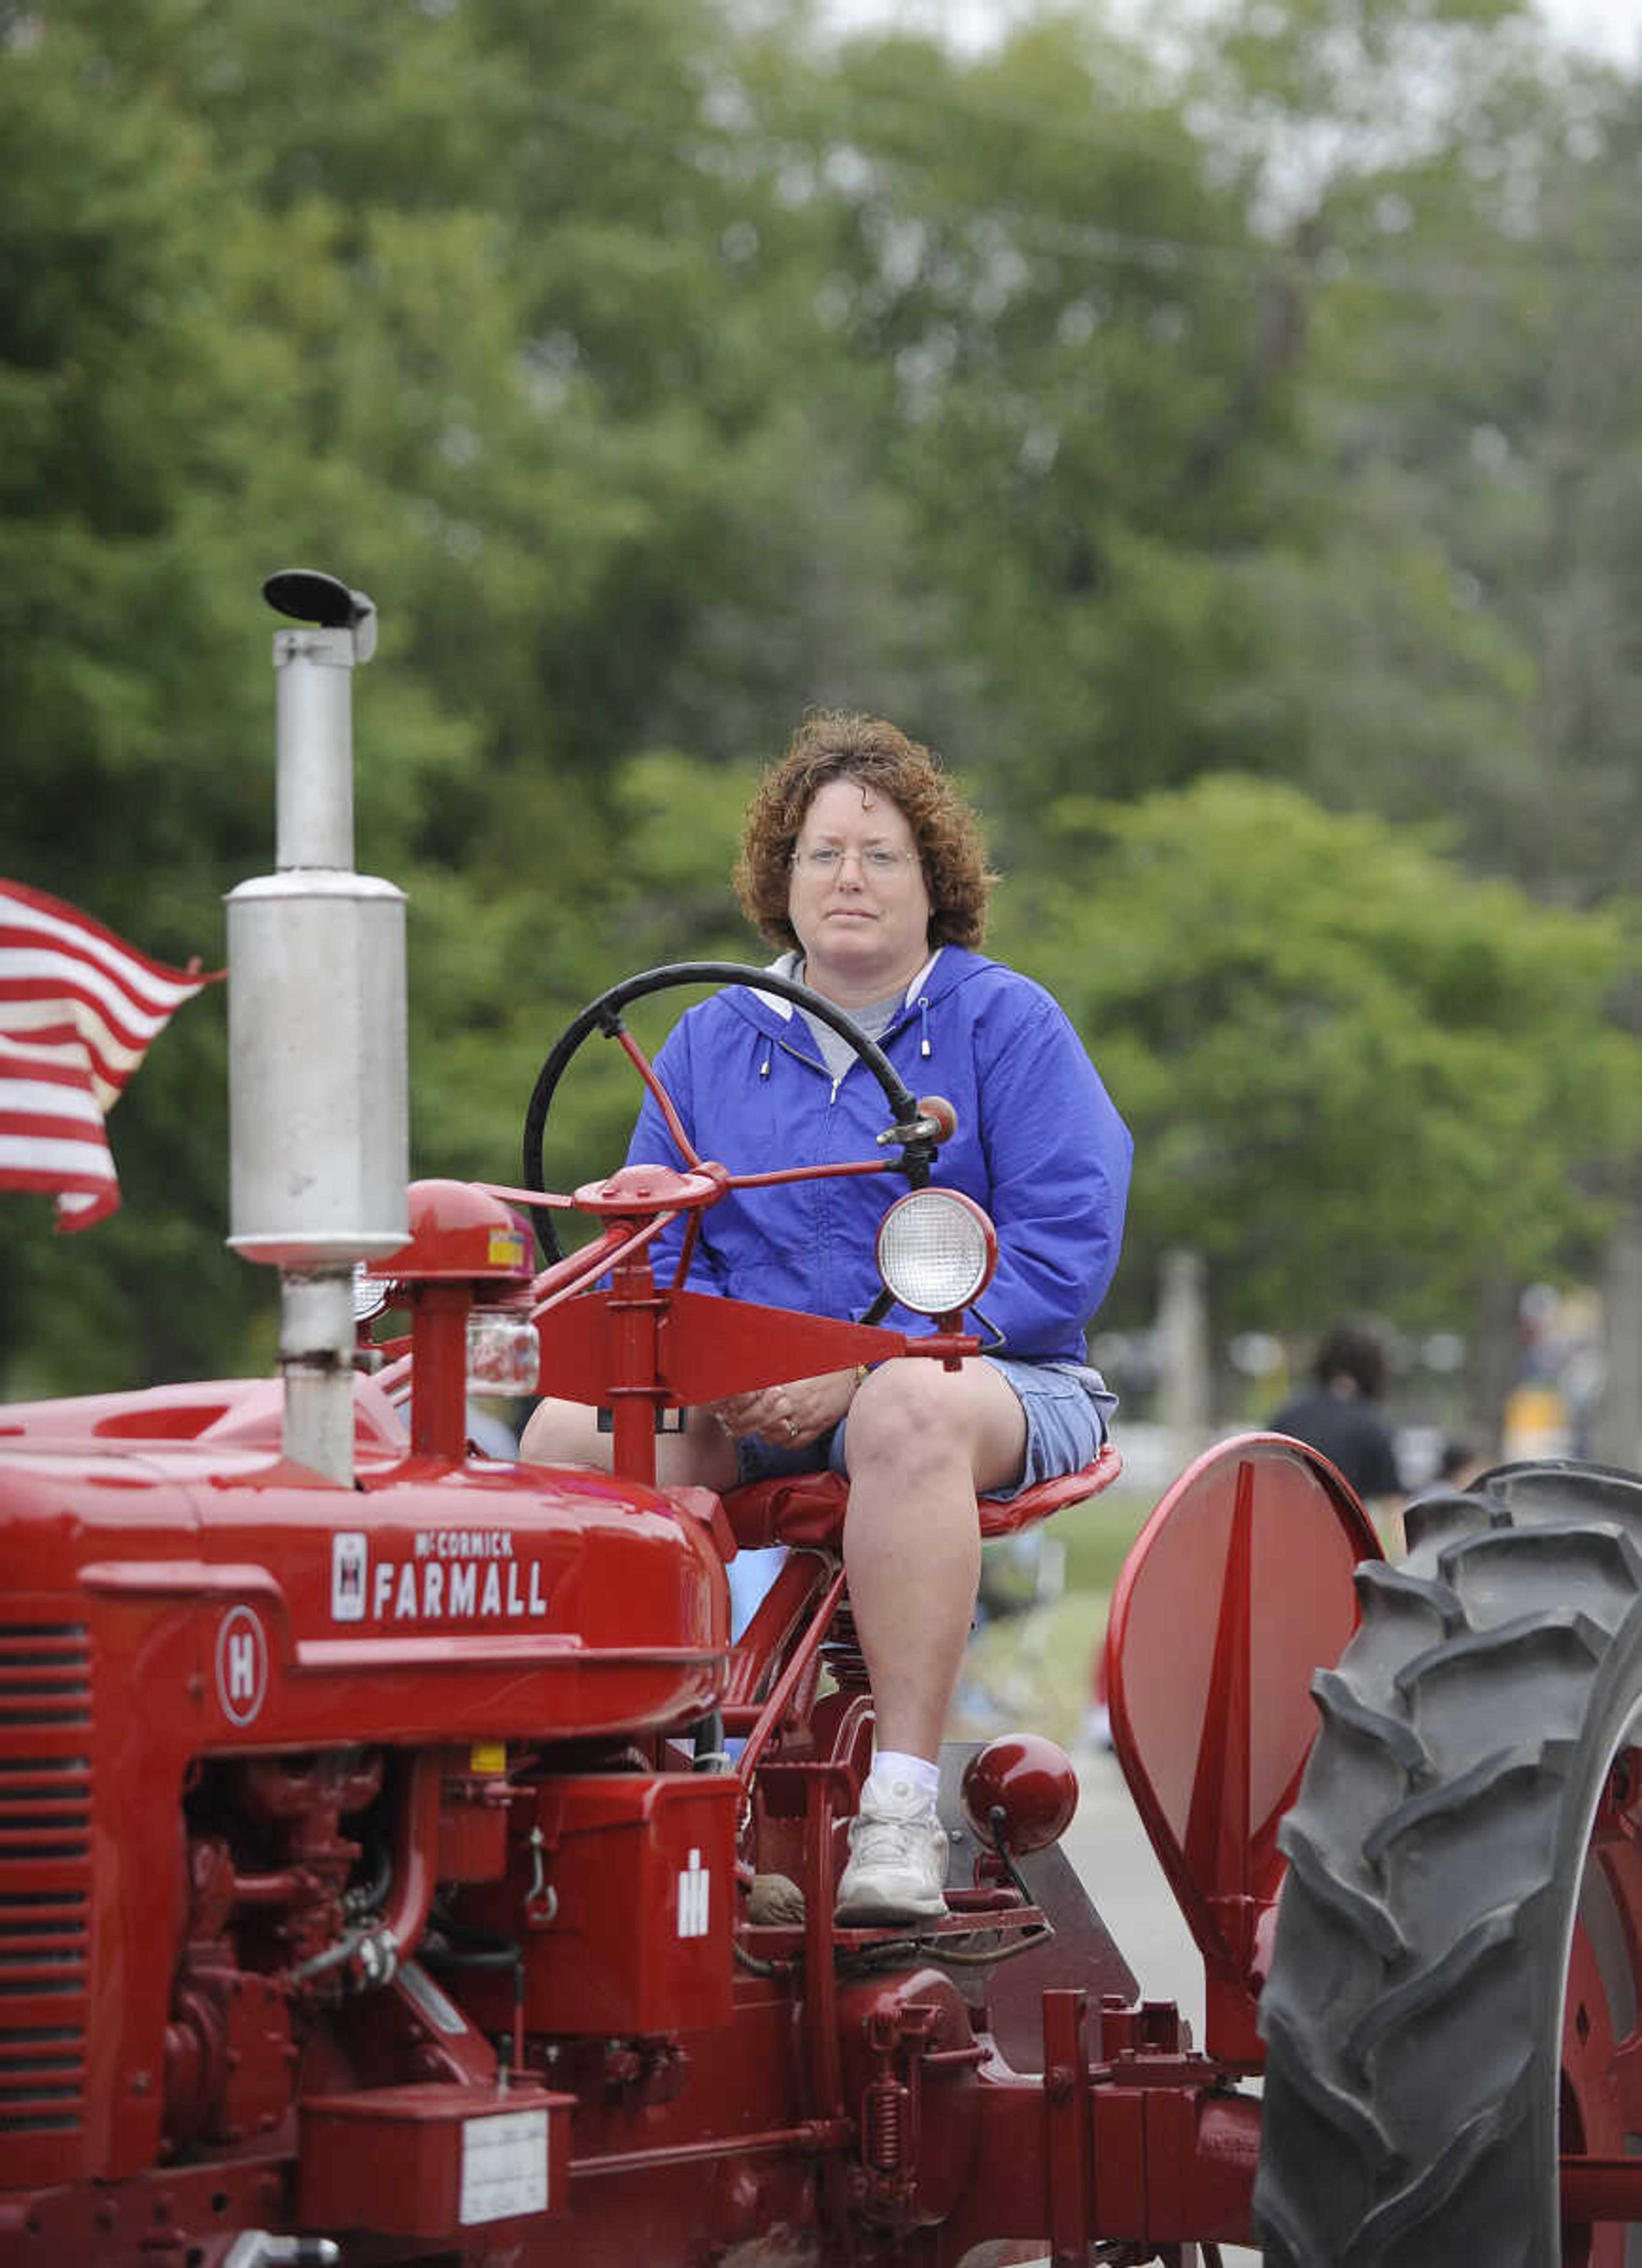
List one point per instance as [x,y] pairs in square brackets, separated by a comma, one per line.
[1236,1590]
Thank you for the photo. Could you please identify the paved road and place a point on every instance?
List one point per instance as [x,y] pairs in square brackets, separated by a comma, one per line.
[1109,1847]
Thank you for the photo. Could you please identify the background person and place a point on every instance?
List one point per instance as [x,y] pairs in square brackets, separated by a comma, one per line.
[1339,1414]
[863,863]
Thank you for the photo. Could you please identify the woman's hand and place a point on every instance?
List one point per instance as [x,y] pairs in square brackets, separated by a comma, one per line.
[789,1415]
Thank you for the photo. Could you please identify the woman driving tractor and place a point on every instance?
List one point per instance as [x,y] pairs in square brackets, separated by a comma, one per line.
[862,863]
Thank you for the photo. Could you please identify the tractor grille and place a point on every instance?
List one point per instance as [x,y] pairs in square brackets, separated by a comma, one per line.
[45,1874]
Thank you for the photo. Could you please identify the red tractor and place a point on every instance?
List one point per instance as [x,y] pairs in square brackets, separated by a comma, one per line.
[402,1864]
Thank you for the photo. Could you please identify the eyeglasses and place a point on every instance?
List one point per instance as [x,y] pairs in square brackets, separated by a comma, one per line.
[876,862]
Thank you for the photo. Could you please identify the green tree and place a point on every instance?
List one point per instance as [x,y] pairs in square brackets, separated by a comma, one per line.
[1357,1075]
[1052,315]
[274,302]
[1449,637]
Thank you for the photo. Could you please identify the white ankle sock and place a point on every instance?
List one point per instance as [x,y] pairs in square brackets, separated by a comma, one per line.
[891,1764]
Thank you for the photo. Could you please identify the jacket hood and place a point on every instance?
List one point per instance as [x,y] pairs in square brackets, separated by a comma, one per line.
[950,966]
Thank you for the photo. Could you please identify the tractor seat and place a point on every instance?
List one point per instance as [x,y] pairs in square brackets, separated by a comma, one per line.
[808,1507]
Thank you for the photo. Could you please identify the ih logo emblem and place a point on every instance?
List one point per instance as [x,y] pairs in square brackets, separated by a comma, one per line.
[349,1555]
[694,1887]
[241,1665]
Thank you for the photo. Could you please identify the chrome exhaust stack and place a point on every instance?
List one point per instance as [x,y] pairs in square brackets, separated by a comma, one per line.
[318,1081]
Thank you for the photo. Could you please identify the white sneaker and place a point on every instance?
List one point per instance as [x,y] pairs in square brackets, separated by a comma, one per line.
[898,1850]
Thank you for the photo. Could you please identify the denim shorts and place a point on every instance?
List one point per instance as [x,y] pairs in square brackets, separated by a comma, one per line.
[1066,1409]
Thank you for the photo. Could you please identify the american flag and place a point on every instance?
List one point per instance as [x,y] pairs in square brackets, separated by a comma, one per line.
[79,1009]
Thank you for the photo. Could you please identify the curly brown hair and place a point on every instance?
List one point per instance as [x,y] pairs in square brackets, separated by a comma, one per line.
[834,744]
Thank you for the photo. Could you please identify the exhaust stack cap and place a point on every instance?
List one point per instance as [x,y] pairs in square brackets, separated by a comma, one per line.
[306,594]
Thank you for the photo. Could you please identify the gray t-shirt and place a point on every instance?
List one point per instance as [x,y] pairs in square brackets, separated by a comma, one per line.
[873,1021]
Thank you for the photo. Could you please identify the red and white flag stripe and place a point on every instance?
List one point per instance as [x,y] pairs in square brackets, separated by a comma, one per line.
[78,1010]
[51,1125]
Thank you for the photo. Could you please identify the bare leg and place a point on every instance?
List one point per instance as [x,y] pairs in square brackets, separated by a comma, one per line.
[566,1434]
[922,1442]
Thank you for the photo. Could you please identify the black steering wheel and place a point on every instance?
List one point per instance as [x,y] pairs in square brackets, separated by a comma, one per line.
[915,1135]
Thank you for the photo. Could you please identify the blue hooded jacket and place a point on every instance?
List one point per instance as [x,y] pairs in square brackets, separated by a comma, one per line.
[1038,1142]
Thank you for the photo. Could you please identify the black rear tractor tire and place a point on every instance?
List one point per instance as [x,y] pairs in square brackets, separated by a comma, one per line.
[1453,2001]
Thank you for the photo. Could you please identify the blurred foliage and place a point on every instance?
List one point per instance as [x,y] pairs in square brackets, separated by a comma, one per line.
[1353,1072]
[1225,448]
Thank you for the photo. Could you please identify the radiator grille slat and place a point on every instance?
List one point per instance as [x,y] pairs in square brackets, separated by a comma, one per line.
[44,1866]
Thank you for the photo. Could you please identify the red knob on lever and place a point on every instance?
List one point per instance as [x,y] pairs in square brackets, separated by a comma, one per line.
[935,1107]
[936,1122]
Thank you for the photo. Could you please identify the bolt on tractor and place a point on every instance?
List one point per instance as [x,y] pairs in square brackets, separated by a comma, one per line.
[402,1864]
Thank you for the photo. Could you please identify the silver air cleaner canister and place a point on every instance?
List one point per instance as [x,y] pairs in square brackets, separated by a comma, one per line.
[317,1083]
[316,1010]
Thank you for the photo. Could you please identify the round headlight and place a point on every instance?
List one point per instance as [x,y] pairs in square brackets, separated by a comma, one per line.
[370,1294]
[935,1250]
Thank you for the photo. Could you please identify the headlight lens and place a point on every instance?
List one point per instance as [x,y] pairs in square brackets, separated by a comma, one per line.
[503,1352]
[370,1294]
[935,1250]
